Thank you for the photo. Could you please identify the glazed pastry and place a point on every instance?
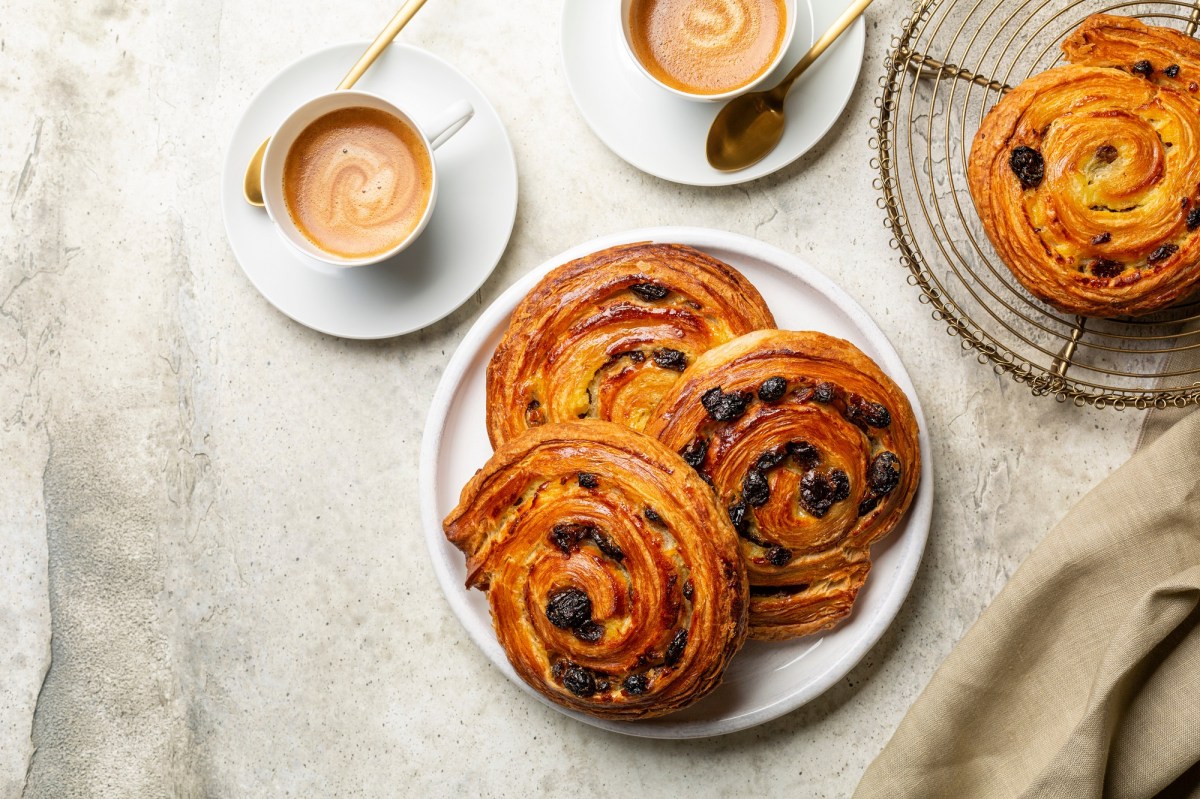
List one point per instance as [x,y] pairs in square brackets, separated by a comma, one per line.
[813,452]
[602,337]
[614,579]
[1085,176]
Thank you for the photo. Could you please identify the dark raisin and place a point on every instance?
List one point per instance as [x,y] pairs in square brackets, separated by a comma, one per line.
[607,545]
[841,484]
[755,488]
[579,680]
[1027,164]
[674,360]
[1193,86]
[737,517]
[567,535]
[589,631]
[816,493]
[804,454]
[1162,253]
[868,504]
[650,292]
[725,407]
[568,608]
[1102,238]
[603,685]
[636,684]
[693,454]
[1106,153]
[1193,218]
[637,356]
[865,413]
[688,589]
[588,480]
[884,474]
[825,392]
[534,415]
[1172,71]
[652,515]
[1106,268]
[772,389]
[769,460]
[779,556]
[1143,68]
[675,648]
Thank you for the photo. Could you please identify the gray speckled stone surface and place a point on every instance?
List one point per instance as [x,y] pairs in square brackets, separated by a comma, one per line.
[209,513]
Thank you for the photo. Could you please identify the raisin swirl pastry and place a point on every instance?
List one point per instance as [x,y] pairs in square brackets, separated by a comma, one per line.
[813,452]
[605,335]
[614,579]
[1085,176]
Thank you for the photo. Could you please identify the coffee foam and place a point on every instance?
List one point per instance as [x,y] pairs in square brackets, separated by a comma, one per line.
[707,46]
[357,181]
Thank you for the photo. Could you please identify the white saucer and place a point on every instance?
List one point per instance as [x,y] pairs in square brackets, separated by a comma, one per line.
[765,680]
[470,227]
[663,134]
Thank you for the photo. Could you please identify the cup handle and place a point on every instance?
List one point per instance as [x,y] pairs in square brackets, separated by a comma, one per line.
[448,123]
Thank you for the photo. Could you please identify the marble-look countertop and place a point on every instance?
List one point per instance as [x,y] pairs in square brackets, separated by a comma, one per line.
[213,576]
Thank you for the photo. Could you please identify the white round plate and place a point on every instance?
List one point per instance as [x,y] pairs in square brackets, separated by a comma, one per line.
[765,680]
[663,134]
[467,234]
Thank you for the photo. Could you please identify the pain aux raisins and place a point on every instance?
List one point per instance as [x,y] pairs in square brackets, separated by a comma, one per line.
[568,608]
[1143,68]
[772,389]
[588,480]
[1172,71]
[725,407]
[694,453]
[1106,268]
[1162,253]
[650,292]
[674,360]
[1027,164]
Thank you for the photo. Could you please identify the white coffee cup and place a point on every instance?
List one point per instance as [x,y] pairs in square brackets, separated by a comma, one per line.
[434,133]
[789,32]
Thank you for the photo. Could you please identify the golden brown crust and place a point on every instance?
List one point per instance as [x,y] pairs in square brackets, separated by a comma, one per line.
[613,515]
[584,344]
[1104,230]
[775,464]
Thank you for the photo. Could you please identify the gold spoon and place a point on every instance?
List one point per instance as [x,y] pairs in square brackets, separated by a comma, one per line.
[750,126]
[252,185]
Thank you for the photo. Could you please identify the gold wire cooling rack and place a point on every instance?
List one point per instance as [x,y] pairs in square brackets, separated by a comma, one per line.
[951,62]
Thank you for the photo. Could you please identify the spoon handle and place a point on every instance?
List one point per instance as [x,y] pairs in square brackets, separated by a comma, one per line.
[820,46]
[381,42]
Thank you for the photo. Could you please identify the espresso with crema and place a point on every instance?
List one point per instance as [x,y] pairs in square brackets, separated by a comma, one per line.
[707,46]
[357,181]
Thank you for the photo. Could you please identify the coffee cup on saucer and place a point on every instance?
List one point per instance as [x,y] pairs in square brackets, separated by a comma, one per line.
[707,49]
[350,179]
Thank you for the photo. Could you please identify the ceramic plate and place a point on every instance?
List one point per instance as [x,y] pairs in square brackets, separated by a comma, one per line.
[467,234]
[663,134]
[765,680]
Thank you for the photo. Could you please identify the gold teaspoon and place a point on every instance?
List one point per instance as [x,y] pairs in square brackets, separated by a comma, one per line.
[252,185]
[749,127]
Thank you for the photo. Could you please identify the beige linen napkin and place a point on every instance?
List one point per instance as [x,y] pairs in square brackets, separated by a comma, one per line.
[1082,679]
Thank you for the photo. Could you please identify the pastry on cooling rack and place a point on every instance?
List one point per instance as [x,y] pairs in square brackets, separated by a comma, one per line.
[614,579]
[813,453]
[1085,176]
[605,335]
